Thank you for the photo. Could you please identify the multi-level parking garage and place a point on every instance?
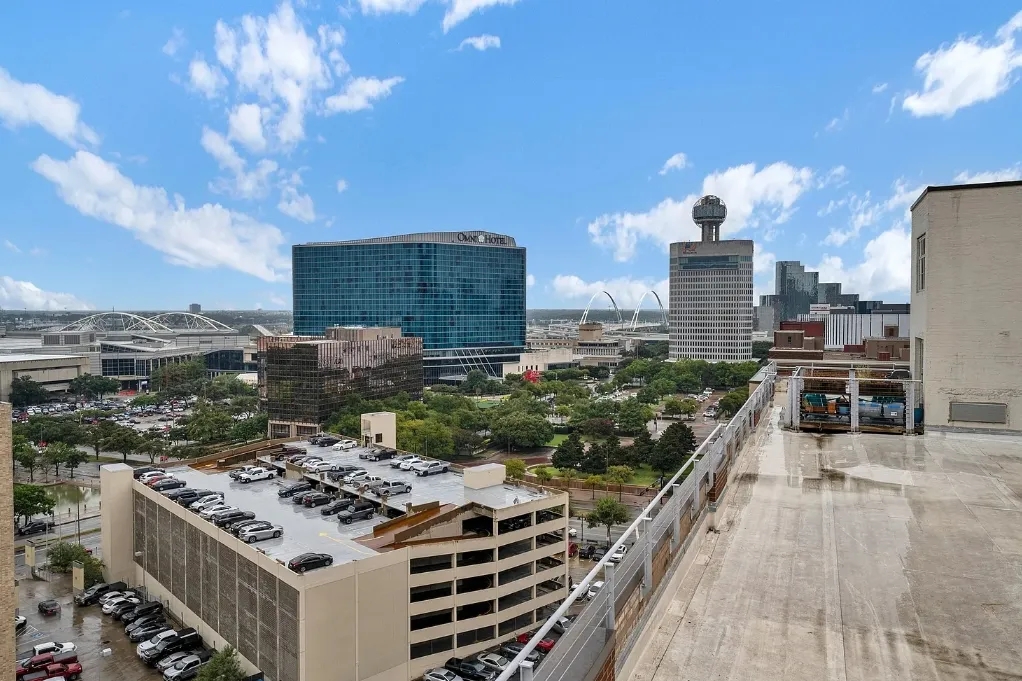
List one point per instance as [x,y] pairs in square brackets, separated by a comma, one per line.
[462,563]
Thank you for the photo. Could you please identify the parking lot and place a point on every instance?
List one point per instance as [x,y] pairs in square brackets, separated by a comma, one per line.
[86,627]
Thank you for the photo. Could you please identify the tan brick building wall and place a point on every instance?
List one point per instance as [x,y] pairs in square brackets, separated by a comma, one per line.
[8,597]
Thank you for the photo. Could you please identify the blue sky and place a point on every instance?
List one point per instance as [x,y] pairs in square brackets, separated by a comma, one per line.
[153,155]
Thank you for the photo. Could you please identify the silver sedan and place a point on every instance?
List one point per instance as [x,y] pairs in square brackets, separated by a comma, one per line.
[254,534]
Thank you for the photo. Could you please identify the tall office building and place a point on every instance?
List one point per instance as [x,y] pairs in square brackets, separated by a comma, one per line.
[463,293]
[711,291]
[795,289]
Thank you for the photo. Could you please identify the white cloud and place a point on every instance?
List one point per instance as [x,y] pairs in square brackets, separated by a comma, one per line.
[766,196]
[879,87]
[530,280]
[360,93]
[838,122]
[831,206]
[676,162]
[293,203]
[763,261]
[208,236]
[904,196]
[176,42]
[342,186]
[835,176]
[226,45]
[208,80]
[625,290]
[279,301]
[27,296]
[390,6]
[459,10]
[244,183]
[245,125]
[23,104]
[884,269]
[1003,175]
[480,42]
[13,248]
[966,72]
[864,213]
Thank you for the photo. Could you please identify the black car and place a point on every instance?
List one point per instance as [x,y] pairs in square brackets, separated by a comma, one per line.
[123,608]
[175,494]
[291,490]
[335,507]
[587,551]
[192,495]
[143,621]
[168,484]
[348,516]
[512,648]
[315,499]
[185,638]
[379,454]
[142,470]
[225,519]
[236,527]
[470,670]
[328,441]
[146,632]
[300,497]
[143,610]
[310,561]
[49,607]
[34,527]
[92,595]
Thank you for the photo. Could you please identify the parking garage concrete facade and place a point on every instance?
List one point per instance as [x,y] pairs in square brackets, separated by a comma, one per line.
[424,581]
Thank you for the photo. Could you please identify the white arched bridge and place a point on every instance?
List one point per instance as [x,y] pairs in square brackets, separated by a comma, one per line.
[634,324]
[165,322]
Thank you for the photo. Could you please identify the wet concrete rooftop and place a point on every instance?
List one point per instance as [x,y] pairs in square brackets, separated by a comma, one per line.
[855,557]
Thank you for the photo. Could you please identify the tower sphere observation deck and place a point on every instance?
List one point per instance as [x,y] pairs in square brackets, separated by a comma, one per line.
[709,213]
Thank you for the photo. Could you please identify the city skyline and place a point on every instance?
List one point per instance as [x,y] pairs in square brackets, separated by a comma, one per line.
[200,160]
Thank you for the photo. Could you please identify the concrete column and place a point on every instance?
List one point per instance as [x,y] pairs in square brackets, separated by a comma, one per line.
[676,530]
[117,521]
[8,595]
[794,402]
[853,396]
[647,557]
[610,586]
[527,672]
[910,412]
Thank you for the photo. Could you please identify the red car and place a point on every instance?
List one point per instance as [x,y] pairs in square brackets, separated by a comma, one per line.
[544,646]
[155,479]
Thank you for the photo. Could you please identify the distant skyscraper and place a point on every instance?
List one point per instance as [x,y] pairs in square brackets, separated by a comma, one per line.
[711,291]
[795,290]
[195,308]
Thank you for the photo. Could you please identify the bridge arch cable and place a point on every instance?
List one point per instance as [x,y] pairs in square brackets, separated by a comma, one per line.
[116,321]
[585,313]
[189,321]
[638,306]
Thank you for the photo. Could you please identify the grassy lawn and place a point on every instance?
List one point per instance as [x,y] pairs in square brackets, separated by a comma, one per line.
[644,475]
[556,440]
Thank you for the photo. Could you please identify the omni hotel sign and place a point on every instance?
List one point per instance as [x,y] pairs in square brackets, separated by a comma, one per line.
[492,239]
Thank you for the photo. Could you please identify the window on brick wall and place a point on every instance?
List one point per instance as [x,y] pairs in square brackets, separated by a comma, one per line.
[921,263]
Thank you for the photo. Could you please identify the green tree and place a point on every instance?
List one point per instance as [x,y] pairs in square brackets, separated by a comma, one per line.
[544,475]
[154,447]
[593,481]
[26,455]
[73,459]
[687,383]
[664,386]
[647,395]
[223,666]
[61,555]
[595,460]
[732,402]
[760,349]
[123,440]
[521,430]
[672,406]
[514,469]
[184,378]
[620,475]
[597,427]
[633,416]
[466,442]
[30,500]
[642,448]
[570,453]
[689,407]
[608,512]
[428,437]
[568,475]
[26,392]
[676,444]
[210,424]
[56,455]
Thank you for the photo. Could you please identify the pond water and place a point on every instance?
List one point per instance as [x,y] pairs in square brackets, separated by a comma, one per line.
[68,496]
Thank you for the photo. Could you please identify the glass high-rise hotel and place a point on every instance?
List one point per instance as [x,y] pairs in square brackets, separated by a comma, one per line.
[463,293]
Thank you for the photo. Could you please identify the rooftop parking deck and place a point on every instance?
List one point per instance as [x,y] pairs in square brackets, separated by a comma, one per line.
[446,488]
[855,557]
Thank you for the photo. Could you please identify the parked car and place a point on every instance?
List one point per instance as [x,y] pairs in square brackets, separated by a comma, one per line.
[328,441]
[594,589]
[470,670]
[335,507]
[189,496]
[398,460]
[494,661]
[599,553]
[562,624]
[299,499]
[237,472]
[390,488]
[190,663]
[111,595]
[142,610]
[619,555]
[316,499]
[142,622]
[49,607]
[545,645]
[512,648]
[439,674]
[206,501]
[236,527]
[176,494]
[345,445]
[257,533]
[355,476]
[370,482]
[37,662]
[71,671]
[340,472]
[20,623]
[168,484]
[34,527]
[407,465]
[120,605]
[310,561]
[431,468]
[256,474]
[572,532]
[52,648]
[151,475]
[230,517]
[319,467]
[208,511]
[347,517]
[151,643]
[142,470]
[293,489]
[175,641]
[379,454]
[96,591]
[146,632]
[168,661]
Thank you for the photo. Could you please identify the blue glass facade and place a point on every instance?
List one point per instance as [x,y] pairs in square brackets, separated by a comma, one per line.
[463,293]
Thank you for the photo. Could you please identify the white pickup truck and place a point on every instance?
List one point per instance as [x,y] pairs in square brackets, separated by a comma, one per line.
[431,468]
[256,474]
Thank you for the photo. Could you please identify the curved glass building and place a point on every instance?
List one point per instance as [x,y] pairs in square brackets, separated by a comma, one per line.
[463,293]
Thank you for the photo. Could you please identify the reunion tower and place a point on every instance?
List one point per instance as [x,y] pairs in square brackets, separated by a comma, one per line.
[711,291]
